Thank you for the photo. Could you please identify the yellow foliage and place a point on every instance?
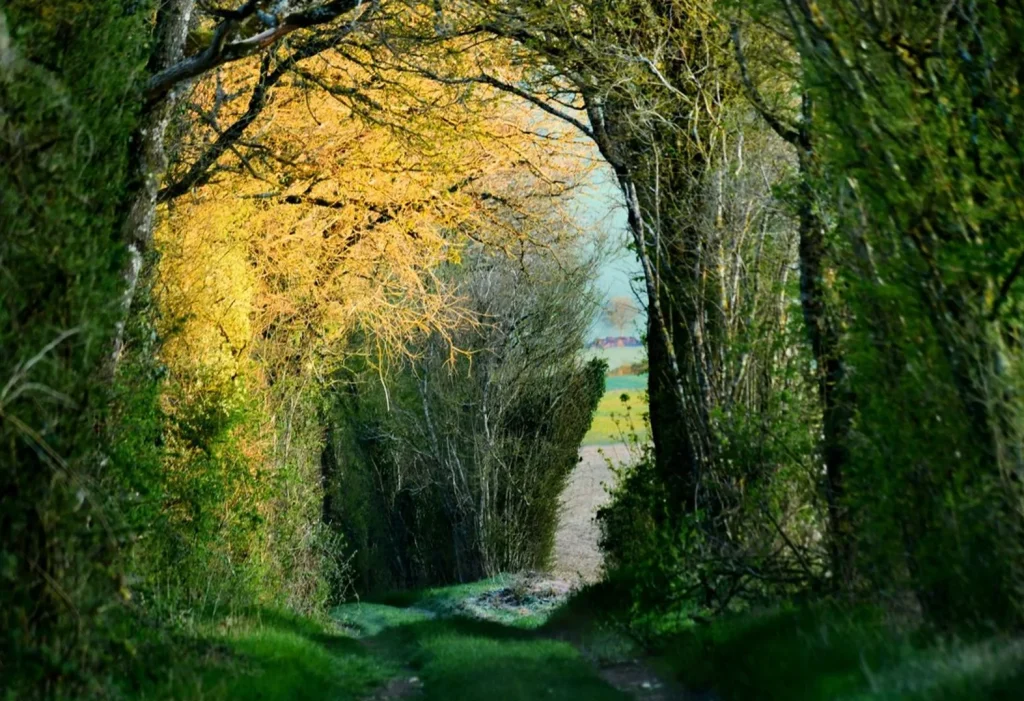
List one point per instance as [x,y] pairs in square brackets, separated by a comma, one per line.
[325,225]
[334,215]
[205,285]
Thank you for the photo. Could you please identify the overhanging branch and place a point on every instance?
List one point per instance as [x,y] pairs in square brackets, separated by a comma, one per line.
[221,50]
[785,130]
[199,173]
[486,79]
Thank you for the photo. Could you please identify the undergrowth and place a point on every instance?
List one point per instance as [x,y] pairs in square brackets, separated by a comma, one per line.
[260,653]
[803,652]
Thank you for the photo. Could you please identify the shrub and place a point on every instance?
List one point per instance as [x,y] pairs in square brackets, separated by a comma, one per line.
[454,469]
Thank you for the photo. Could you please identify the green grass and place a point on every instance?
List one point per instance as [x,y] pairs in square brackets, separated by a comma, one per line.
[486,661]
[461,658]
[813,654]
[261,655]
[469,660]
[422,634]
[808,653]
[439,602]
[617,419]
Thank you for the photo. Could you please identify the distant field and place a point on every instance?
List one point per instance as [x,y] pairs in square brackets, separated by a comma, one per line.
[617,357]
[615,419]
[618,383]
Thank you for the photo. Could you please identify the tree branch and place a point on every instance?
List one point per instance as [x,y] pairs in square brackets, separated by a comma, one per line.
[518,92]
[1004,289]
[784,129]
[221,51]
[199,173]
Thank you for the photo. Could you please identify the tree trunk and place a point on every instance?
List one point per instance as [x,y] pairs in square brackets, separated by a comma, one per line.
[836,402]
[150,159]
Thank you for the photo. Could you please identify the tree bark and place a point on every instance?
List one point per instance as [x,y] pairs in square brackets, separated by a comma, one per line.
[836,402]
[172,23]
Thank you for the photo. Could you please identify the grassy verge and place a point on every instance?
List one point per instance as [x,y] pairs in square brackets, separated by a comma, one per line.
[263,655]
[809,653]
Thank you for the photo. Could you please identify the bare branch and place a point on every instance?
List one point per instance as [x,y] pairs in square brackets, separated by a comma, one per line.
[221,51]
[486,79]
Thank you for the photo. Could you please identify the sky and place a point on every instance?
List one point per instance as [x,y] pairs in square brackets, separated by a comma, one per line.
[600,211]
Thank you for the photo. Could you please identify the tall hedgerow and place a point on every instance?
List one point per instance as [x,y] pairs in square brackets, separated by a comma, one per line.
[451,468]
[69,78]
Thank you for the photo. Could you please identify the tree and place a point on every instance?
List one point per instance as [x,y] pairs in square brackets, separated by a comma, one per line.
[620,312]
[454,470]
[357,187]
[820,322]
[234,36]
[918,107]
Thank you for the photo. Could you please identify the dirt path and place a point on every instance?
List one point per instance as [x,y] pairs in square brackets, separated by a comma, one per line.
[577,557]
[578,560]
[610,657]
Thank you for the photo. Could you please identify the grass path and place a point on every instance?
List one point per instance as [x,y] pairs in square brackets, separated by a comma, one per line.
[479,642]
[504,638]
[498,640]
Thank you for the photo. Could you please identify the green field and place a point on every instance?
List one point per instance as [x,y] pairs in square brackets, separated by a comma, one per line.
[620,383]
[621,412]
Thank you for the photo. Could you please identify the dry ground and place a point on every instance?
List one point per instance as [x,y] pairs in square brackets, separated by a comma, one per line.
[577,557]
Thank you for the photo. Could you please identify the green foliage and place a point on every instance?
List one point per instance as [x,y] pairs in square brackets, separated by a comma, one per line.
[632,537]
[759,540]
[116,488]
[826,652]
[804,652]
[258,653]
[905,125]
[920,148]
[201,497]
[68,74]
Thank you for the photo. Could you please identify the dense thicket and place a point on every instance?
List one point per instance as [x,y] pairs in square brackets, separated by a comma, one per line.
[453,470]
[919,136]
[64,74]
[204,287]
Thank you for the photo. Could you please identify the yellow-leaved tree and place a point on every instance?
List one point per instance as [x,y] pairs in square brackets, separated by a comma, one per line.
[315,236]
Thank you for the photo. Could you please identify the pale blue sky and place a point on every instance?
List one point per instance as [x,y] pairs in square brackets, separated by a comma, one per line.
[600,211]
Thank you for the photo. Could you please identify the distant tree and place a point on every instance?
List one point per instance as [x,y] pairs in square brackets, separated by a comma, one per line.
[620,312]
